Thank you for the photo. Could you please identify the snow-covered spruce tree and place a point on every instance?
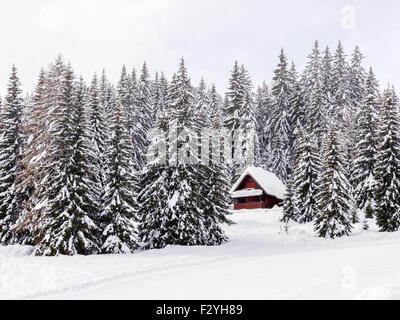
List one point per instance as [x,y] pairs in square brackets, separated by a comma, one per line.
[234,101]
[296,111]
[127,96]
[326,77]
[36,160]
[317,114]
[32,152]
[262,111]
[365,148]
[217,206]
[119,209]
[247,131]
[341,108]
[202,101]
[144,118]
[98,126]
[10,157]
[290,202]
[357,79]
[160,91]
[387,166]
[334,200]
[280,118]
[311,74]
[305,176]
[67,226]
[215,108]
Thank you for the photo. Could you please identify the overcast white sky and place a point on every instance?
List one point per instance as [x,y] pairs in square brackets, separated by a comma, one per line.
[210,34]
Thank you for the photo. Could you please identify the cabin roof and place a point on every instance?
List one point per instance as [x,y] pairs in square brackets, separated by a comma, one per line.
[268,181]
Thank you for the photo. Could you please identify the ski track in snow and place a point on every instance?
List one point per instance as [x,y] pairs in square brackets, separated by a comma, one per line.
[259,262]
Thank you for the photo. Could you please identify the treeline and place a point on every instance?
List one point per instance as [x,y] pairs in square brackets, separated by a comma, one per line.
[73,178]
[343,164]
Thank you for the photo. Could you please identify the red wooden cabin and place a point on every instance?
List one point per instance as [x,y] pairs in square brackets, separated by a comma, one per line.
[257,189]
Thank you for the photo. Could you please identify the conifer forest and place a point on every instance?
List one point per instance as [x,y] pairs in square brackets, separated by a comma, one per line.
[75,176]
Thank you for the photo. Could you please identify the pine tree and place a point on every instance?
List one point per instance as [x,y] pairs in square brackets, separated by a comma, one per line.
[296,111]
[305,176]
[97,105]
[365,148]
[290,202]
[119,208]
[326,78]
[264,132]
[341,108]
[144,118]
[10,158]
[215,108]
[317,114]
[335,203]
[160,88]
[357,77]
[68,225]
[217,205]
[387,168]
[249,147]
[202,101]
[280,119]
[238,86]
[311,74]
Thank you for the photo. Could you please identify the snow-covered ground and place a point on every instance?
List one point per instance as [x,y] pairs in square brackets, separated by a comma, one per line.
[259,262]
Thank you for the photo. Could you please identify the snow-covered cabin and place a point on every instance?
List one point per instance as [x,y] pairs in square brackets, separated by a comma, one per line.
[257,189]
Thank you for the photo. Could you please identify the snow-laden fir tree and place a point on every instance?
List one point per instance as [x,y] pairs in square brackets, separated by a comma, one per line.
[296,111]
[235,96]
[107,95]
[10,158]
[202,101]
[365,148]
[98,126]
[32,151]
[357,75]
[317,114]
[342,104]
[248,140]
[215,108]
[262,111]
[160,91]
[280,118]
[71,203]
[217,206]
[305,176]
[127,95]
[334,199]
[311,74]
[144,117]
[119,209]
[290,203]
[326,77]
[387,166]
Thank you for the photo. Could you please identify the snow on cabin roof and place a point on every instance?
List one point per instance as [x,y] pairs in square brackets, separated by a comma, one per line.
[247,193]
[267,180]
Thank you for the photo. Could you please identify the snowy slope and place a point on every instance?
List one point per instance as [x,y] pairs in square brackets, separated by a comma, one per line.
[259,262]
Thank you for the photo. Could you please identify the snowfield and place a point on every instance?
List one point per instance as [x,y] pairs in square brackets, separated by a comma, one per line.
[260,261]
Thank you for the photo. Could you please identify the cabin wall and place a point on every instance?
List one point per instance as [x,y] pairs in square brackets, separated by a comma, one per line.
[264,202]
